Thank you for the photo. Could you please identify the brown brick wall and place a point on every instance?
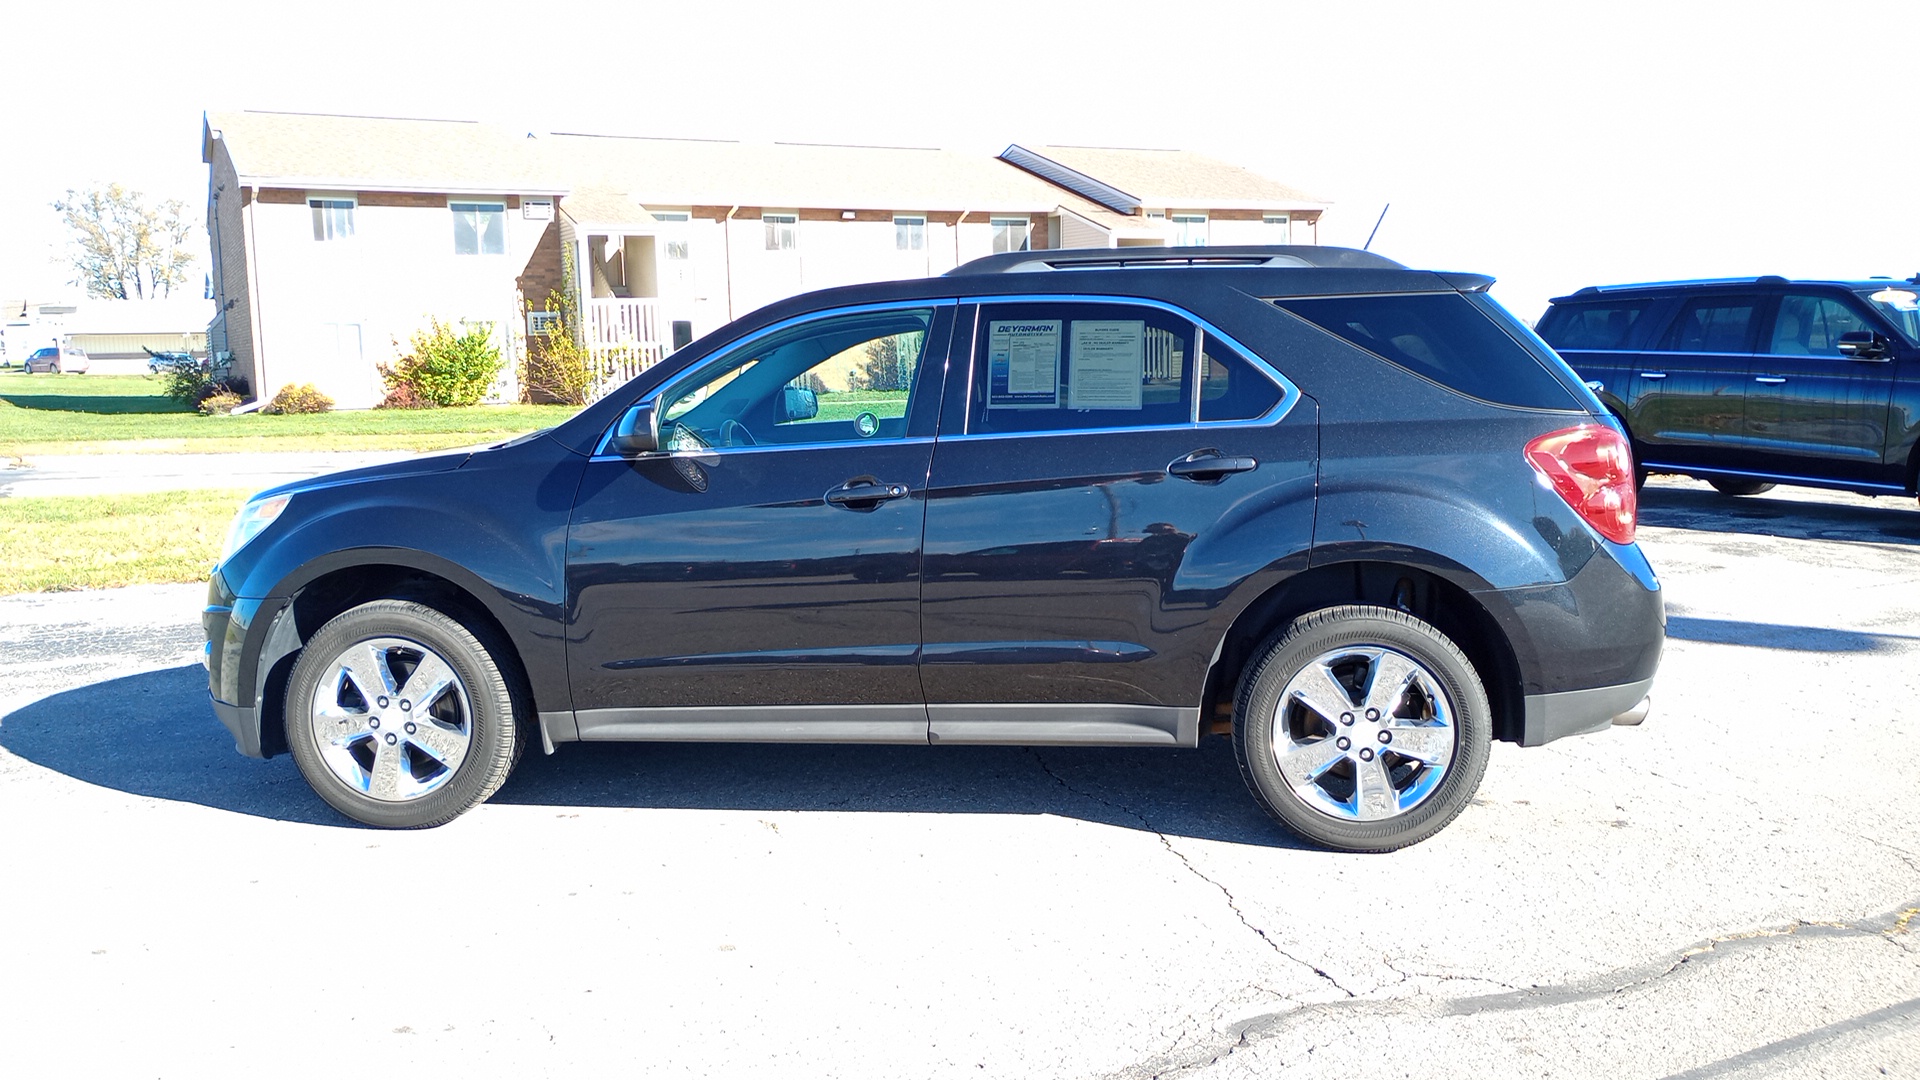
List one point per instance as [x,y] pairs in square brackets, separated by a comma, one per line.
[545,271]
[227,238]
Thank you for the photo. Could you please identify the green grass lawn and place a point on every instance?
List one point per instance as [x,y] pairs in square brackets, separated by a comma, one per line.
[102,541]
[76,414]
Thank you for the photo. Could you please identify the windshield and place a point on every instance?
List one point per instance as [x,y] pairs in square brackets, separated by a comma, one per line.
[1899,305]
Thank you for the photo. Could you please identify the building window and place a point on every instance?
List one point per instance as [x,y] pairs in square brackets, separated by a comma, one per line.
[783,231]
[542,323]
[1279,228]
[1011,234]
[909,232]
[1189,230]
[674,235]
[332,217]
[479,228]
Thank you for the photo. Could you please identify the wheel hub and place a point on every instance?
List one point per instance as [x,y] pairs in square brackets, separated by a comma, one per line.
[1363,733]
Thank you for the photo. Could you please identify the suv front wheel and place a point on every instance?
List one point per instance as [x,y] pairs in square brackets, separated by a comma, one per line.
[1362,728]
[400,717]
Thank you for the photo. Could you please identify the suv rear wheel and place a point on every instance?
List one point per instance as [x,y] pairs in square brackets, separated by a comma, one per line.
[400,717]
[1362,728]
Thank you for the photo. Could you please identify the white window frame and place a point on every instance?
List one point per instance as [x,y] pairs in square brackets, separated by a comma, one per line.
[783,229]
[1001,224]
[478,206]
[1183,222]
[673,239]
[1282,222]
[323,204]
[541,323]
[915,236]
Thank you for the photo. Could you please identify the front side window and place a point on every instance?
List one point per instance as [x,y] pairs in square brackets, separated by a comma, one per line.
[1011,234]
[332,218]
[783,231]
[1189,230]
[1812,325]
[479,228]
[1065,367]
[1712,324]
[843,378]
[1899,305]
[909,232]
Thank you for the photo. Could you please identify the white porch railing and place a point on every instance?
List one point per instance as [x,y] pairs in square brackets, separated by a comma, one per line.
[623,337]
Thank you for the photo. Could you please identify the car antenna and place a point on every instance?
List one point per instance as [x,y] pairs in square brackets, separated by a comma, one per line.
[1376,226]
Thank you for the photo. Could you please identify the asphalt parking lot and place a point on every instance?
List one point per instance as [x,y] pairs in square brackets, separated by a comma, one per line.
[1730,890]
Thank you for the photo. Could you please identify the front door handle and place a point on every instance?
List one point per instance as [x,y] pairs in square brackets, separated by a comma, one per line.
[1210,466]
[865,493]
[1653,374]
[1770,380]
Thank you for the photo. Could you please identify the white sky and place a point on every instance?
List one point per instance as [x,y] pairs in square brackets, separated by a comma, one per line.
[1552,145]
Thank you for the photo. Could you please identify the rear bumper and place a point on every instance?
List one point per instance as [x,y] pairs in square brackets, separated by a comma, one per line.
[1587,648]
[1577,712]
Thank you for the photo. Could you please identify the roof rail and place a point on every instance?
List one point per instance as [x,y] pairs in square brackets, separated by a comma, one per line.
[1159,258]
[1596,290]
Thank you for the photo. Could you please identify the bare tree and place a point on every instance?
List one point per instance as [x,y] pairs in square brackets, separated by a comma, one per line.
[123,247]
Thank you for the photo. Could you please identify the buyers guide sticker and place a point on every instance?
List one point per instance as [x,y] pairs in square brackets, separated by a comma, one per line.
[1109,364]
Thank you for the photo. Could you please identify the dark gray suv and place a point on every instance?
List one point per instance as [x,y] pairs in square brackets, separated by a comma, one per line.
[1352,516]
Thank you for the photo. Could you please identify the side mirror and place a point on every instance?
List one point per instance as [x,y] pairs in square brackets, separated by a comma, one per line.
[798,403]
[1862,345]
[637,432]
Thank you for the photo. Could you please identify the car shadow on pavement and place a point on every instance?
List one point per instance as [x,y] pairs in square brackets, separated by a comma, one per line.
[152,735]
[1819,639]
[1888,520]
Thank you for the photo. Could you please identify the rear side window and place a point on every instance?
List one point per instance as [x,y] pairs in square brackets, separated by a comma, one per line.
[1592,326]
[1067,367]
[1713,324]
[1443,337]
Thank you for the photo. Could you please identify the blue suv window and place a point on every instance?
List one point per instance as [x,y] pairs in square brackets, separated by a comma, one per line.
[1713,324]
[1592,326]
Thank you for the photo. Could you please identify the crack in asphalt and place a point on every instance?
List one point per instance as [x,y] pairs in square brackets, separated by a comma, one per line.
[1232,904]
[1893,927]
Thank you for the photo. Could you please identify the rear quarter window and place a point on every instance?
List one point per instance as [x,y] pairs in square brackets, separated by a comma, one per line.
[1592,326]
[1443,337]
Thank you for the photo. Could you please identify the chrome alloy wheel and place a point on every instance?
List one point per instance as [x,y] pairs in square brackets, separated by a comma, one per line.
[1364,733]
[391,719]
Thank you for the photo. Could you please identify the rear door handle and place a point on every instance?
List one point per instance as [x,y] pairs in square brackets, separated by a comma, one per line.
[1770,380]
[1653,374]
[1209,465]
[864,493]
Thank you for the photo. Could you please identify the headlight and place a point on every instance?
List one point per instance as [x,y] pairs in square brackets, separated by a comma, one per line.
[256,515]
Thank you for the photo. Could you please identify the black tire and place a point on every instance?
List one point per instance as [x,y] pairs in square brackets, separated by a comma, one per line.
[1740,487]
[377,756]
[1441,707]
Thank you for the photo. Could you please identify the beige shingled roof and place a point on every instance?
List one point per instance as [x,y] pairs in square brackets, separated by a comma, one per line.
[379,154]
[1180,179]
[685,172]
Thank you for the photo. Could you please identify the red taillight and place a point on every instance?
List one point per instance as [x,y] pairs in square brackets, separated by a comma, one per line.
[1591,467]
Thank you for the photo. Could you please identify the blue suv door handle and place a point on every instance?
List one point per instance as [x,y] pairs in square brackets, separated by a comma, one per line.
[1653,374]
[1210,466]
[1770,380]
[864,493]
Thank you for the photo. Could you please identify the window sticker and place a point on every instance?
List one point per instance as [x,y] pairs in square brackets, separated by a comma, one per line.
[1109,364]
[1024,364]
